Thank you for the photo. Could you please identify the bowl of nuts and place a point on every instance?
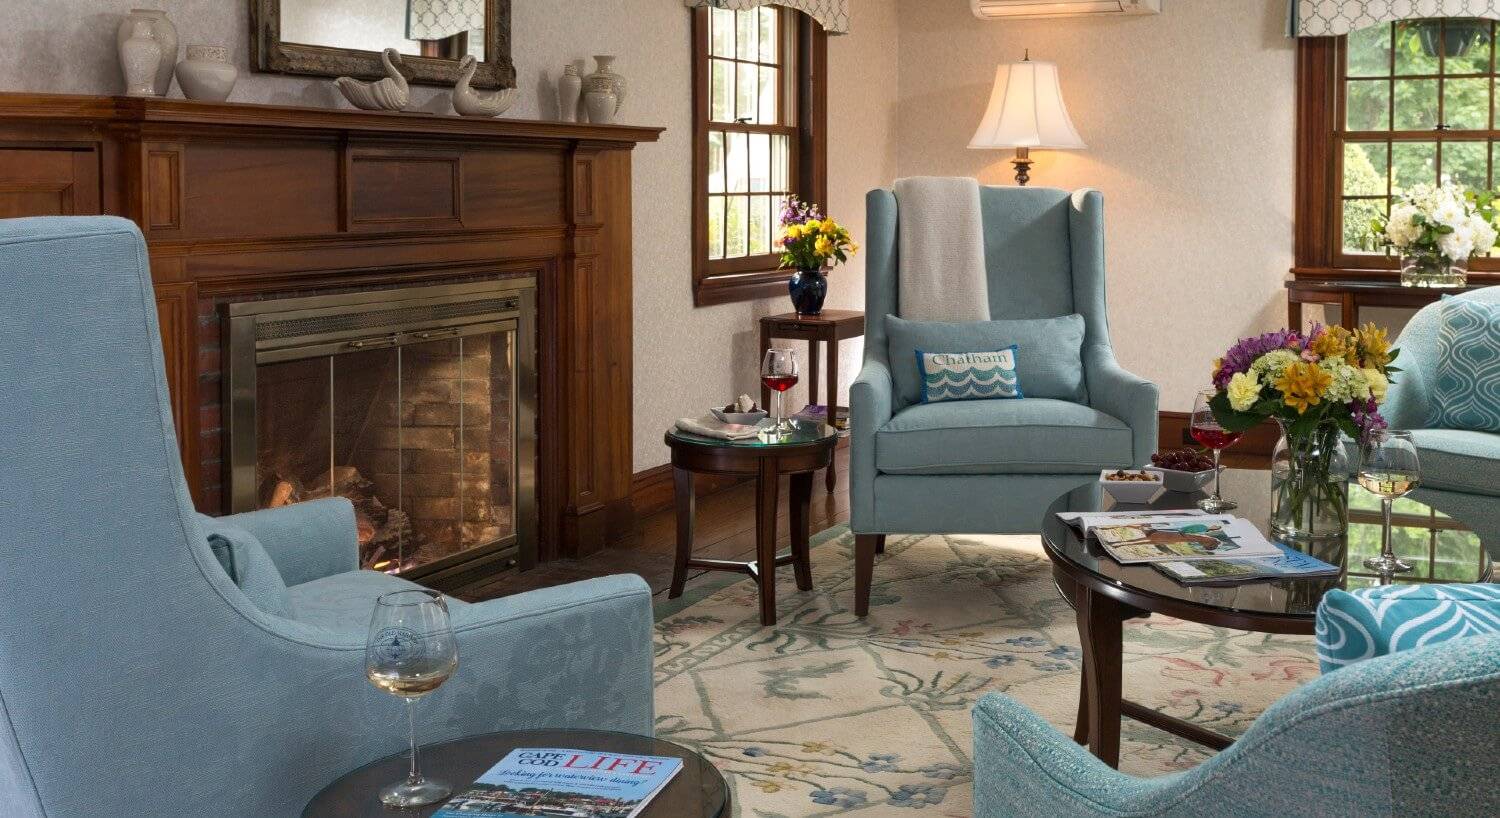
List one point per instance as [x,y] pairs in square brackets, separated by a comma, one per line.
[1131,485]
[1184,470]
[743,411]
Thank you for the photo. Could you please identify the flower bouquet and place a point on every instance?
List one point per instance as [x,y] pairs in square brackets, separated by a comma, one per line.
[1315,386]
[1437,230]
[810,241]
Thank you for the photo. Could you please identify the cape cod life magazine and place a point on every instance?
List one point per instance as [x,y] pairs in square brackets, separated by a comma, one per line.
[565,784]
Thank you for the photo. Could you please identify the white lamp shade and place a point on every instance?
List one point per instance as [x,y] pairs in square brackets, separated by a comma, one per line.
[1026,110]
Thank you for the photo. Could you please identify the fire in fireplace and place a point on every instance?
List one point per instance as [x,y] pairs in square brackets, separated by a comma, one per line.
[417,404]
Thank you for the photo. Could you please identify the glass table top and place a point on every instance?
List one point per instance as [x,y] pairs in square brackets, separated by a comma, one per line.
[1439,547]
[802,432]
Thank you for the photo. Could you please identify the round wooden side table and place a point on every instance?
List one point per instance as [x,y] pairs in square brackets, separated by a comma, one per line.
[799,453]
[697,791]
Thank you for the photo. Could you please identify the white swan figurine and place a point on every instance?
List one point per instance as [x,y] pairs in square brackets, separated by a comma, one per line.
[389,94]
[469,102]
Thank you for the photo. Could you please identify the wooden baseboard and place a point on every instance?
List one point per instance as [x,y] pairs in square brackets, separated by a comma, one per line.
[1252,450]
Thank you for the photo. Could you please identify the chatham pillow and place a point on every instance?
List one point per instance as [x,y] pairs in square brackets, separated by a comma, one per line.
[1048,354]
[1357,625]
[968,375]
[1466,393]
[249,566]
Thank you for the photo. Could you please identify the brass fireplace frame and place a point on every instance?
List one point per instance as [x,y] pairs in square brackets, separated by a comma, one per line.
[289,329]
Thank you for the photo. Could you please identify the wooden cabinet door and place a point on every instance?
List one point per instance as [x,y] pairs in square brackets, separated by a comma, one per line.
[49,182]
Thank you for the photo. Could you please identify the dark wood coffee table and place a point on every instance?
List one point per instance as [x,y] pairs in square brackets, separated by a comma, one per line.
[697,791]
[1105,594]
[798,453]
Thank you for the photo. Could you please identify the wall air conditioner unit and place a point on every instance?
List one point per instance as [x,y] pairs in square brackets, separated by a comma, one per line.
[1029,9]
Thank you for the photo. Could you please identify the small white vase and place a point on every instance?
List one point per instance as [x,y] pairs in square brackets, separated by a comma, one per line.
[139,56]
[164,33]
[207,74]
[601,106]
[569,89]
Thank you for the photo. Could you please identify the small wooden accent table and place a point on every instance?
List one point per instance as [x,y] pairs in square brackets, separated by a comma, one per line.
[798,453]
[1352,294]
[697,791]
[829,326]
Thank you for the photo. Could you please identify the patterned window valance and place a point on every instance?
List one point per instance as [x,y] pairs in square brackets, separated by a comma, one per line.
[1331,18]
[833,15]
[441,19]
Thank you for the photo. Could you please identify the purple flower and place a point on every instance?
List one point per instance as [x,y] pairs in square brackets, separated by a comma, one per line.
[796,211]
[1240,356]
[1367,417]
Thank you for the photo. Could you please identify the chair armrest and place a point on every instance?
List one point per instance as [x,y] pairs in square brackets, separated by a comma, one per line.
[1023,766]
[306,541]
[1126,397]
[871,402]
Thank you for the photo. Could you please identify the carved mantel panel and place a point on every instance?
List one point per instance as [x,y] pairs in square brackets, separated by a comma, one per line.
[245,201]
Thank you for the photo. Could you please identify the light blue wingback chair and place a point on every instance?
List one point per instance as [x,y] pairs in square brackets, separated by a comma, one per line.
[135,677]
[990,467]
[1408,734]
[1460,469]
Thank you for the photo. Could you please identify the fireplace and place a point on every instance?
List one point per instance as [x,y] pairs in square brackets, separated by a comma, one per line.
[416,404]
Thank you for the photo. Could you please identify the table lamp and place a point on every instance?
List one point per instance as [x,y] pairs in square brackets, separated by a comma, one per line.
[1026,111]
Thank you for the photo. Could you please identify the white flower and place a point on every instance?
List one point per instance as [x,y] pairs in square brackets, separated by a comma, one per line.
[1450,211]
[1401,229]
[1244,391]
[1378,382]
[1459,244]
[1484,234]
[1348,383]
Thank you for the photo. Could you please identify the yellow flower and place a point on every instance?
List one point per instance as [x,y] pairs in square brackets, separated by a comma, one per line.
[1335,342]
[812,225]
[1244,391]
[1374,347]
[1302,384]
[823,246]
[1379,383]
[830,228]
[794,231]
[853,248]
[1218,365]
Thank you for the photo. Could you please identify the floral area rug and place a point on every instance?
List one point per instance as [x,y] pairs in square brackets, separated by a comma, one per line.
[826,714]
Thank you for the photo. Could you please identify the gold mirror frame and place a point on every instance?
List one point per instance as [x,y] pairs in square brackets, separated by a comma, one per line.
[270,54]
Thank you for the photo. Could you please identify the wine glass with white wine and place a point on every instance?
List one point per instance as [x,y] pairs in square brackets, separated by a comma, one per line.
[1388,469]
[410,652]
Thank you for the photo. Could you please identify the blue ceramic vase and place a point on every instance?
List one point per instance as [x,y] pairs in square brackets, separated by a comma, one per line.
[808,288]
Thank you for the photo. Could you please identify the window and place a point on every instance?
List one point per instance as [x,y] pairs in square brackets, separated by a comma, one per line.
[1379,111]
[759,108]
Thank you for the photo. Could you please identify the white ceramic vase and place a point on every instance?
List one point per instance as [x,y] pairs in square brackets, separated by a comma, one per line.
[207,74]
[601,105]
[569,90]
[140,54]
[605,79]
[165,34]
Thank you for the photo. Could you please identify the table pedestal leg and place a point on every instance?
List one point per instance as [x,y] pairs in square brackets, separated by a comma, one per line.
[682,483]
[1099,626]
[766,488]
[801,500]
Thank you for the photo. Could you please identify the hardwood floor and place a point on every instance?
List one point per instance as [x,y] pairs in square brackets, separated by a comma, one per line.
[725,530]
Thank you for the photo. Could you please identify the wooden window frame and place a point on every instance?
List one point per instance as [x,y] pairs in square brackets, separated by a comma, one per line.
[722,281]
[1318,203]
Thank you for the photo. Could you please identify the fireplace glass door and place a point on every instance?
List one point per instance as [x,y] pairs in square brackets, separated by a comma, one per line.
[417,428]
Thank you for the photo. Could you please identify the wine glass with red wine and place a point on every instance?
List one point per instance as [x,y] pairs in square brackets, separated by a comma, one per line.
[779,373]
[1206,430]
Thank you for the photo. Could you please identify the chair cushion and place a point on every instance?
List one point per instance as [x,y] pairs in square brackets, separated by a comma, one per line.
[343,602]
[968,375]
[248,565]
[1026,436]
[1466,391]
[1459,461]
[1049,360]
[1369,622]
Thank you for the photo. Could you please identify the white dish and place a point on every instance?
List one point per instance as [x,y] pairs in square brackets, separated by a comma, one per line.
[1132,491]
[742,418]
[1186,482]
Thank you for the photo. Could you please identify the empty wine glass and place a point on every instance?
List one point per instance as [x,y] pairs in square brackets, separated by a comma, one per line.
[1388,469]
[1206,430]
[779,373]
[410,652]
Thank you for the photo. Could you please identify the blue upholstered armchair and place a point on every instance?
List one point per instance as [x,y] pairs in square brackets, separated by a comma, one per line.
[136,676]
[1460,469]
[993,466]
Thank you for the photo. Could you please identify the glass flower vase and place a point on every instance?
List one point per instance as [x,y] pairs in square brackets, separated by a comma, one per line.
[1433,270]
[1309,486]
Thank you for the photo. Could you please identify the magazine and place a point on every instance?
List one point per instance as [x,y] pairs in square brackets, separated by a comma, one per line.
[1085,521]
[1289,564]
[572,783]
[819,412]
[1183,538]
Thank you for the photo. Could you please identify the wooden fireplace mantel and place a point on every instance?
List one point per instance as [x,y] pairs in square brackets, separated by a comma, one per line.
[245,201]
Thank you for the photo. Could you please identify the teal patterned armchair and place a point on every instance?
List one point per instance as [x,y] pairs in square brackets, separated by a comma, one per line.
[1460,469]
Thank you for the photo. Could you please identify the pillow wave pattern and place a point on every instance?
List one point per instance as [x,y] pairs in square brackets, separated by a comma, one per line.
[968,375]
[1356,625]
[1466,394]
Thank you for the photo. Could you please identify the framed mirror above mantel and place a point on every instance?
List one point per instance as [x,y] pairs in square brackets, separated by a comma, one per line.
[344,38]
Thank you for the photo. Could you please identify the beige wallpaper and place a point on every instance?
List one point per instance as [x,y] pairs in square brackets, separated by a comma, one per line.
[686,359]
[1188,118]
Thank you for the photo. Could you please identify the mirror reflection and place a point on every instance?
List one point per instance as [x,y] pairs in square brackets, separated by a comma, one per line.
[446,29]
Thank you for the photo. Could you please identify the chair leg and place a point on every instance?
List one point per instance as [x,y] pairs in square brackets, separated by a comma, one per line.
[880,543]
[864,571]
